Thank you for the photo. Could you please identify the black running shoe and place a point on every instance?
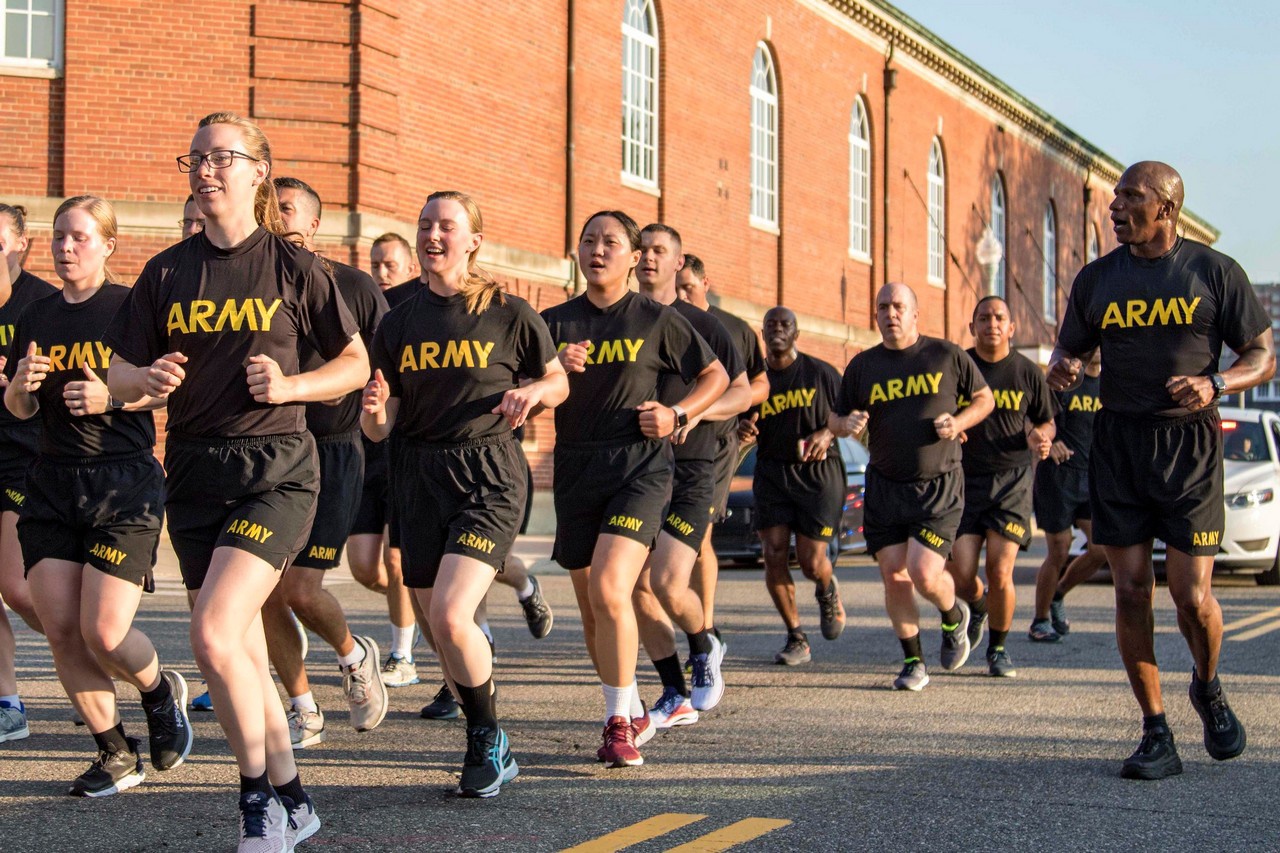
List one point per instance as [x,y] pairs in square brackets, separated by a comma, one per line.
[537,613]
[831,609]
[1224,736]
[168,725]
[1058,616]
[977,628]
[442,707]
[110,773]
[1155,758]
[488,763]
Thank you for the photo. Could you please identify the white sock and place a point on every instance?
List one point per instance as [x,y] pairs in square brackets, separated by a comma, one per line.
[11,701]
[637,707]
[484,626]
[305,702]
[523,595]
[617,701]
[402,641]
[356,655]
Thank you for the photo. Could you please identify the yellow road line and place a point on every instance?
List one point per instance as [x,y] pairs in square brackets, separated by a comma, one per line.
[637,832]
[1250,620]
[1256,632]
[731,836]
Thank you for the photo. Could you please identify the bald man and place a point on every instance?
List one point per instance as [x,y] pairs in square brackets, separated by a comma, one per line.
[905,392]
[1160,307]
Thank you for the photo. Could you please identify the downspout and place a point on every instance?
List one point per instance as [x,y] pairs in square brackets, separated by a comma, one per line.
[570,244]
[890,83]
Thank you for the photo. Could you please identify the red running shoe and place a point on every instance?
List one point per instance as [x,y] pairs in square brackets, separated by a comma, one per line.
[619,749]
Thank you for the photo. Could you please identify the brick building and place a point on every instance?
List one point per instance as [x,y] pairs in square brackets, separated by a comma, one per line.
[808,150]
[1266,395]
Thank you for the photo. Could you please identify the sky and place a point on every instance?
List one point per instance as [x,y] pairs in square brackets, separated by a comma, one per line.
[1195,84]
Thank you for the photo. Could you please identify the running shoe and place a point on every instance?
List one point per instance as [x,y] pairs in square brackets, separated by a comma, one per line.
[306,728]
[302,823]
[955,642]
[366,694]
[999,664]
[708,681]
[13,722]
[977,628]
[1155,758]
[110,773]
[263,824]
[488,763]
[1042,631]
[442,707]
[203,702]
[913,677]
[399,671]
[673,709]
[619,749]
[537,613]
[796,651]
[168,727]
[1058,616]
[1224,736]
[831,609]
[642,727]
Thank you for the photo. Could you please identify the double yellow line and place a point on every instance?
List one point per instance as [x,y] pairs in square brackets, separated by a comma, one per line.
[1274,625]
[712,842]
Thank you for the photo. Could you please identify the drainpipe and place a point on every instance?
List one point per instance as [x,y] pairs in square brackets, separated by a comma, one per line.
[890,83]
[570,244]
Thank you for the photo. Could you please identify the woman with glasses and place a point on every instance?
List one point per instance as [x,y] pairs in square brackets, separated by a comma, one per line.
[91,521]
[447,362]
[216,323]
[19,441]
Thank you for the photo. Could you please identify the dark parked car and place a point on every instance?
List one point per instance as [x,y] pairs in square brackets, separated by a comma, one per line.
[736,541]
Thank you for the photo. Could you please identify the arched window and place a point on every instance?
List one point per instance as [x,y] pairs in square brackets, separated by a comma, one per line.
[640,92]
[1049,244]
[937,214]
[764,139]
[1000,227]
[859,182]
[1092,251]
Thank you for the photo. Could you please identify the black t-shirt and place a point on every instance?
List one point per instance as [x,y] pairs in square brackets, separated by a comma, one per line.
[365,302]
[450,368]
[633,343]
[903,391]
[402,292]
[801,396]
[1074,419]
[26,289]
[1159,318]
[999,442]
[218,307]
[71,335]
[748,345]
[701,443]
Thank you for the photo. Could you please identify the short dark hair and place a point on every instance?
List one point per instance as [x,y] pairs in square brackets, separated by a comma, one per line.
[286,183]
[628,224]
[660,228]
[190,198]
[694,264]
[392,237]
[991,297]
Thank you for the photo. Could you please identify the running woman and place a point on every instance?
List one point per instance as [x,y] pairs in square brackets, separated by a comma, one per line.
[19,441]
[91,521]
[613,464]
[904,393]
[449,366]
[996,459]
[220,323]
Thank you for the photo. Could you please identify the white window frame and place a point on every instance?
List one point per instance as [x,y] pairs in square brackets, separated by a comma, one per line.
[764,139]
[1267,392]
[26,64]
[1049,268]
[1093,249]
[859,182]
[640,56]
[937,215]
[1000,228]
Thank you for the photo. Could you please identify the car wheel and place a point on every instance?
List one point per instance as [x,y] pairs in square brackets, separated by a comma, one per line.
[1271,577]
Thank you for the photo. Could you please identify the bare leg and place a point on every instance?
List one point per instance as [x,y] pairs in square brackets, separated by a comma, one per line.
[706,575]
[1135,623]
[657,634]
[1055,561]
[1199,615]
[316,607]
[284,646]
[776,547]
[1001,597]
[963,566]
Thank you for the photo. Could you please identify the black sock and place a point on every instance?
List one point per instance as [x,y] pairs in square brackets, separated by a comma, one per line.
[112,740]
[1058,596]
[700,643]
[1155,721]
[995,639]
[911,648]
[293,790]
[156,698]
[671,673]
[1205,688]
[952,616]
[477,704]
[979,608]
[256,784]
[796,634]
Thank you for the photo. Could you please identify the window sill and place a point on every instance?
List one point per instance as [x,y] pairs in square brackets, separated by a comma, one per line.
[860,257]
[936,282]
[765,225]
[41,73]
[643,186]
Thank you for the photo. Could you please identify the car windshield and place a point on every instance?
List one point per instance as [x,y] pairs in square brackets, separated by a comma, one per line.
[1243,441]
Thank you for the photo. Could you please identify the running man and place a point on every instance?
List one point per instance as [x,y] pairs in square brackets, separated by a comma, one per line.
[192,221]
[997,478]
[392,261]
[1161,307]
[904,392]
[799,484]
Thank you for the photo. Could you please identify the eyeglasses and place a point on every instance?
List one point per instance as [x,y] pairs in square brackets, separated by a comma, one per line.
[219,159]
[198,224]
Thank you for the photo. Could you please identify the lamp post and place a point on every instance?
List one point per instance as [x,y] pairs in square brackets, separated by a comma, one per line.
[990,253]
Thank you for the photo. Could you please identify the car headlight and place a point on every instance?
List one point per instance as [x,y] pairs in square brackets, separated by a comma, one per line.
[1244,500]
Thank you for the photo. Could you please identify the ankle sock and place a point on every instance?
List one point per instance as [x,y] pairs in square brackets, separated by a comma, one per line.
[617,701]
[952,617]
[112,740]
[256,784]
[355,656]
[402,641]
[995,639]
[671,673]
[700,643]
[293,790]
[305,702]
[911,649]
[523,594]
[12,701]
[1155,721]
[637,707]
[157,697]
[477,704]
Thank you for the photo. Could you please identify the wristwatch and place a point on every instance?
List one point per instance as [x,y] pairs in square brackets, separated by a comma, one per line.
[115,405]
[682,417]
[1219,385]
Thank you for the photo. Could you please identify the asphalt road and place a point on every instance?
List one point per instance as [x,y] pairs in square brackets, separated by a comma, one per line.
[819,757]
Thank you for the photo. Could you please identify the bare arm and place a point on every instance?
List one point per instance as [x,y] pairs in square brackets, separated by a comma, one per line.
[733,402]
[659,421]
[983,404]
[759,389]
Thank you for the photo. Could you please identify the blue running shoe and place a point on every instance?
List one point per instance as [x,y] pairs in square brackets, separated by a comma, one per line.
[488,763]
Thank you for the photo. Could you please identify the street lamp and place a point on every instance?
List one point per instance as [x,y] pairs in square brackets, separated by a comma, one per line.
[990,253]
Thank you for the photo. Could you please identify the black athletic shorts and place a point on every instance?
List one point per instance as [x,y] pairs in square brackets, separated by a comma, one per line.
[620,489]
[528,498]
[257,494]
[693,490]
[1000,502]
[15,459]
[102,511]
[463,499]
[1158,477]
[925,510]
[727,460]
[808,497]
[1060,496]
[341,481]
[375,495]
